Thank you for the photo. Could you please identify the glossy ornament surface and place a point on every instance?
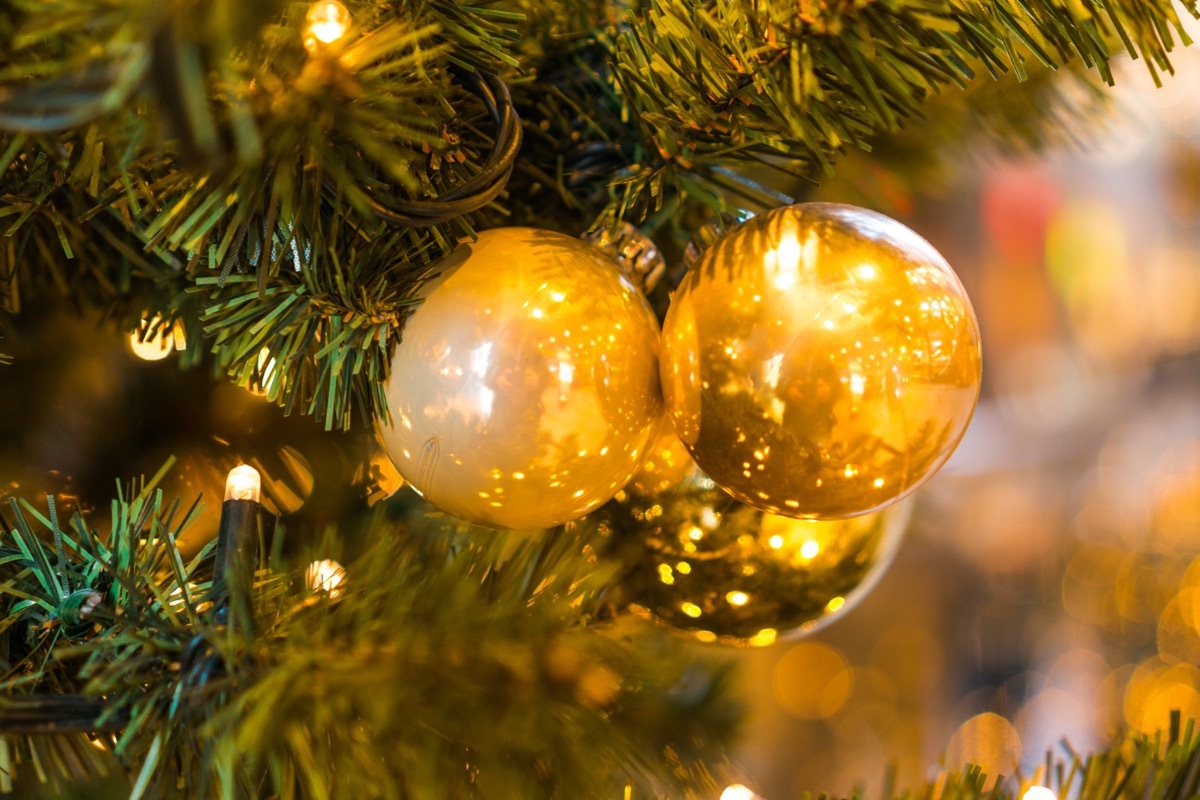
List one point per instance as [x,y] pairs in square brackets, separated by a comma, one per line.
[525,389]
[820,361]
[667,463]
[728,573]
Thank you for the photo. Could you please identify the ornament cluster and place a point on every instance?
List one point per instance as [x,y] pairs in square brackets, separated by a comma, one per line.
[817,364]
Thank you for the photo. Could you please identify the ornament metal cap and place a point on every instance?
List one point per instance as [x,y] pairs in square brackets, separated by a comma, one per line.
[638,257]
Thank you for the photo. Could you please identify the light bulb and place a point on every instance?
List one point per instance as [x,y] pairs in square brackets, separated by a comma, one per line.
[326,22]
[1038,793]
[156,346]
[326,575]
[244,483]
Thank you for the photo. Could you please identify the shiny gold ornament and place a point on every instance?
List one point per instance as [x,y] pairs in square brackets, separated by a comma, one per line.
[667,463]
[727,573]
[524,392]
[820,361]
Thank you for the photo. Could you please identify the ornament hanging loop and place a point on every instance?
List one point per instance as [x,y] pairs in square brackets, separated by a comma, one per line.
[485,186]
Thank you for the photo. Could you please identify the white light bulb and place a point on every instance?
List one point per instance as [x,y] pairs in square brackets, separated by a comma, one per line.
[326,575]
[327,21]
[1038,793]
[244,483]
[158,345]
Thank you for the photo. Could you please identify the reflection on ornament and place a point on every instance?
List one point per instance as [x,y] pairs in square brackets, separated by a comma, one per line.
[727,573]
[524,391]
[636,255]
[820,361]
[155,339]
[667,462]
[326,575]
[378,477]
[327,21]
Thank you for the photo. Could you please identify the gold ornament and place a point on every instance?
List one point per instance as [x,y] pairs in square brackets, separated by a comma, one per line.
[524,392]
[727,573]
[820,361]
[667,463]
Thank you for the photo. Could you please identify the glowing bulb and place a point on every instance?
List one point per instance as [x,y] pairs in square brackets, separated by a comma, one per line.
[739,792]
[326,575]
[327,21]
[156,346]
[1038,793]
[244,483]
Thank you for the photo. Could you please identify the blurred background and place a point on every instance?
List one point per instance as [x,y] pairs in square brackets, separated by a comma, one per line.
[1049,587]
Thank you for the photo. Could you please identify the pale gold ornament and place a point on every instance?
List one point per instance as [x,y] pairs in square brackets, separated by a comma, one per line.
[525,391]
[727,573]
[820,361]
[667,463]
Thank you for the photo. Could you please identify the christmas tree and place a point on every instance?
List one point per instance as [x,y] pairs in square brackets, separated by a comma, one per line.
[476,511]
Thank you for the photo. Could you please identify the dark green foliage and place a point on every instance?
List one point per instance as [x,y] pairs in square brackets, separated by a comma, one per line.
[196,161]
[446,665]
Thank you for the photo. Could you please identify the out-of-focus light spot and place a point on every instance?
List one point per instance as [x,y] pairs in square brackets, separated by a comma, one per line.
[764,637]
[812,681]
[738,792]
[810,549]
[155,340]
[1038,793]
[326,22]
[326,575]
[691,609]
[835,604]
[988,740]
[776,542]
[736,598]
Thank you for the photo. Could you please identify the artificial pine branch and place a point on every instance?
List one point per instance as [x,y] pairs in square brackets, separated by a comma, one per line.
[445,665]
[199,163]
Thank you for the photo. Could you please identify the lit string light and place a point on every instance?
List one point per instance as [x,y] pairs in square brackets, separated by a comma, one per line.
[327,22]
[326,575]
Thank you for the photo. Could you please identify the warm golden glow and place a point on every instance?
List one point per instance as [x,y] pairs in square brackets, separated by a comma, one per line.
[844,385]
[244,483]
[511,409]
[738,792]
[326,575]
[327,21]
[156,340]
[1038,793]
[756,577]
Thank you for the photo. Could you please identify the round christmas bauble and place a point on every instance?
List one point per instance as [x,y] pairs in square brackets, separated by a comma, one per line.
[667,463]
[725,572]
[525,389]
[820,361]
